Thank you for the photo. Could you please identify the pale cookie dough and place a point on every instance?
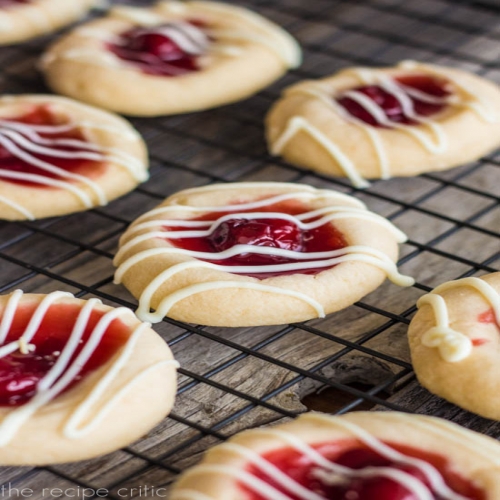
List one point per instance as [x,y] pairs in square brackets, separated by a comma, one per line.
[114,149]
[310,128]
[107,407]
[238,51]
[179,284]
[22,20]
[454,341]
[243,468]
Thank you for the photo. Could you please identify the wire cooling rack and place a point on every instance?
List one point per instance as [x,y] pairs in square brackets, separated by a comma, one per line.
[233,379]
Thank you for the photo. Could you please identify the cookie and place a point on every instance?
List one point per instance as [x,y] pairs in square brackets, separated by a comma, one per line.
[248,254]
[364,123]
[454,339]
[85,377]
[361,455]
[172,58]
[21,20]
[58,156]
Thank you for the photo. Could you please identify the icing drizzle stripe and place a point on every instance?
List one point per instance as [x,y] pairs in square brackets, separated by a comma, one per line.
[23,140]
[453,345]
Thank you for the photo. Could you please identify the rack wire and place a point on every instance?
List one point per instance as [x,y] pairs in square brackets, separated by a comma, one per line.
[232,379]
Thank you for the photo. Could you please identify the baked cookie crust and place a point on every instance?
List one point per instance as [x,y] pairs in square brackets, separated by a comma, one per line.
[181,285]
[221,473]
[117,146]
[21,22]
[309,128]
[245,54]
[110,407]
[454,339]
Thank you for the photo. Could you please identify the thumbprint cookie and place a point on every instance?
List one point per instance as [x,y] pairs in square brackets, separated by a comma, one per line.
[174,57]
[248,254]
[454,342]
[357,456]
[77,378]
[58,156]
[364,123]
[21,20]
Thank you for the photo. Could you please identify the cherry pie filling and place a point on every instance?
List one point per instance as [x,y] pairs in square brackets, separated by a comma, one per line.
[355,455]
[436,89]
[42,115]
[167,50]
[272,233]
[487,316]
[20,373]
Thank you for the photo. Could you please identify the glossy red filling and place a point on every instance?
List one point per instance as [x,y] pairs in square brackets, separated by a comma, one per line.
[355,455]
[487,317]
[41,115]
[273,233]
[155,53]
[20,373]
[432,86]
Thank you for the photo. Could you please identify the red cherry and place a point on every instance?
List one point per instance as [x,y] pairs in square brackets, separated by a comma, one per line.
[41,115]
[273,233]
[155,53]
[20,373]
[156,44]
[432,86]
[375,488]
[357,458]
[301,469]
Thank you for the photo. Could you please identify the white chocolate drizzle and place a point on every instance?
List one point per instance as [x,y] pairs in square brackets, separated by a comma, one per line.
[191,39]
[151,225]
[325,470]
[436,143]
[24,142]
[453,345]
[65,369]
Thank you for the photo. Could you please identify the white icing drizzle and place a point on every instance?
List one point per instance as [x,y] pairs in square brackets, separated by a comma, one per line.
[153,229]
[136,15]
[167,303]
[326,471]
[328,214]
[191,39]
[19,208]
[23,141]
[476,443]
[313,194]
[65,369]
[475,103]
[403,95]
[453,345]
[378,113]
[298,124]
[265,32]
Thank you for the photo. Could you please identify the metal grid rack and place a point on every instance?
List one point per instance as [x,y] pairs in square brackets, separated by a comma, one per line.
[232,379]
